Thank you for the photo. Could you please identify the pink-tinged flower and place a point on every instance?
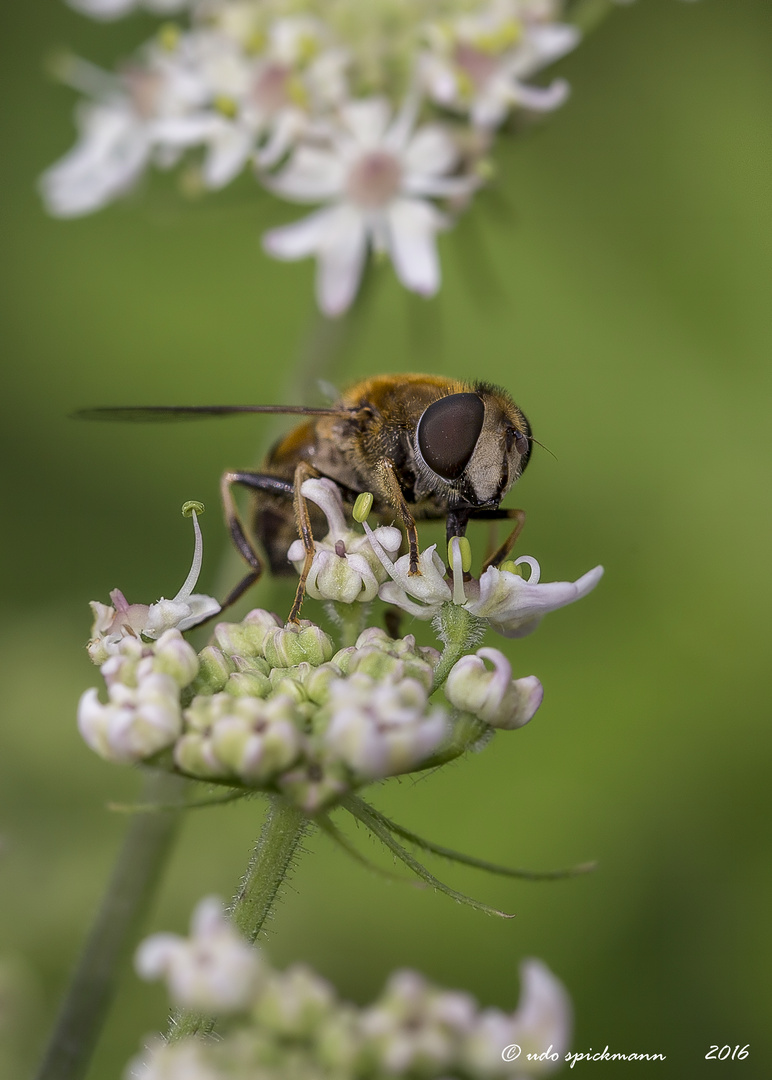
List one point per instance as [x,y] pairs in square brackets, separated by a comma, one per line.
[477,63]
[186,610]
[378,176]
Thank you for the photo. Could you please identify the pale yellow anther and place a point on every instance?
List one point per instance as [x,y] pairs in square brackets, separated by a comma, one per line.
[465,550]
[169,36]
[226,105]
[510,567]
[362,506]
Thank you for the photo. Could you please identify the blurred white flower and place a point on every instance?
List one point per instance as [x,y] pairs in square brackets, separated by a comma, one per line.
[116,130]
[476,63]
[213,971]
[378,176]
[114,9]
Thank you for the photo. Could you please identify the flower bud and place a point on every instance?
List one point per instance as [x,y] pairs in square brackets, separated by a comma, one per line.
[295,643]
[213,671]
[173,656]
[318,681]
[380,728]
[493,696]
[194,754]
[248,684]
[295,1003]
[315,785]
[258,739]
[246,638]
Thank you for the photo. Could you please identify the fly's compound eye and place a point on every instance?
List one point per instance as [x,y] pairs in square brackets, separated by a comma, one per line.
[448,432]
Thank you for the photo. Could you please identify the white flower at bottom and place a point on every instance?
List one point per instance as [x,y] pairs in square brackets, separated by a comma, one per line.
[493,696]
[378,177]
[542,1022]
[213,971]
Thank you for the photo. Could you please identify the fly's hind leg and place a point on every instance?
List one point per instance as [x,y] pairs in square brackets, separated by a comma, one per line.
[243,544]
[510,514]
[303,471]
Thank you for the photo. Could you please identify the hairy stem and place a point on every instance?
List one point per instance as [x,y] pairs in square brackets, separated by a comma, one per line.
[272,858]
[113,933]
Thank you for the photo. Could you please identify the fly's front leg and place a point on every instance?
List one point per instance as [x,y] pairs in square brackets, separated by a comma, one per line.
[510,514]
[303,472]
[238,534]
[390,484]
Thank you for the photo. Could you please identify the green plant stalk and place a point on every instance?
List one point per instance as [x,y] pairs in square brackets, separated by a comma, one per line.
[113,934]
[272,859]
[459,631]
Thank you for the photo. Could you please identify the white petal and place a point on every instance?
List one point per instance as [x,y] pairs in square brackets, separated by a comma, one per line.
[228,154]
[153,955]
[544,1014]
[367,120]
[431,150]
[300,239]
[412,225]
[542,98]
[553,40]
[188,130]
[311,176]
[341,259]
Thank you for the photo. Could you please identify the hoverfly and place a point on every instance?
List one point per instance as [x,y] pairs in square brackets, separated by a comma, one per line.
[427,447]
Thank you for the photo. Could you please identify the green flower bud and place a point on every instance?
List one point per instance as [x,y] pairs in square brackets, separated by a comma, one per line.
[296,643]
[248,684]
[246,638]
[317,683]
[213,671]
[295,1003]
[315,785]
[258,739]
[194,754]
[173,656]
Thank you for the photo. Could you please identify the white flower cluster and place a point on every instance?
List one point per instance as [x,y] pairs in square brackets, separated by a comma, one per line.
[272,707]
[378,110]
[292,1023]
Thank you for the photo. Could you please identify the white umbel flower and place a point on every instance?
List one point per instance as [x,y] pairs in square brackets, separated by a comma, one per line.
[345,567]
[378,176]
[213,971]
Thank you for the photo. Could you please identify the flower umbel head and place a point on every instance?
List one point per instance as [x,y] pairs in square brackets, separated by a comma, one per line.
[345,105]
[293,1022]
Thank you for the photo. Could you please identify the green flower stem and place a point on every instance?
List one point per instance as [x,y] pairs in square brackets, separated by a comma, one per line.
[459,631]
[113,933]
[272,858]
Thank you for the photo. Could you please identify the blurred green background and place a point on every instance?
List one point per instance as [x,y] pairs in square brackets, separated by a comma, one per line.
[616,278]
